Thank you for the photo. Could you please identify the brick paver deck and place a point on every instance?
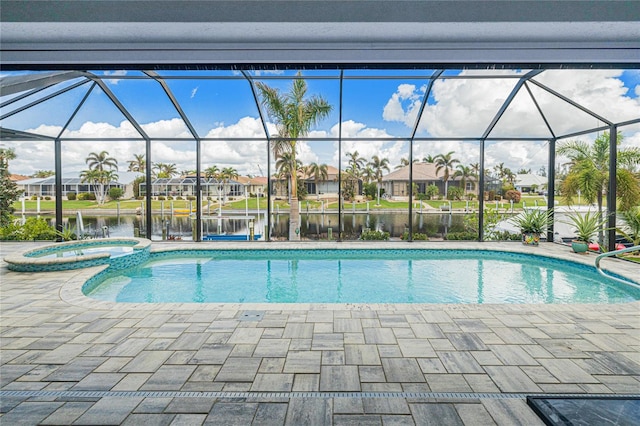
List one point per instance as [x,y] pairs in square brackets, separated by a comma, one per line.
[68,359]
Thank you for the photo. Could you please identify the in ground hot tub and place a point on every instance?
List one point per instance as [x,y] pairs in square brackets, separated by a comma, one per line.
[118,253]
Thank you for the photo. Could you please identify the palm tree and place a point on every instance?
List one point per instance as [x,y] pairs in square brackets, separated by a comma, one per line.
[165,170]
[429,159]
[355,161]
[288,166]
[138,164]
[43,173]
[465,173]
[445,162]
[93,178]
[293,114]
[212,172]
[379,165]
[101,160]
[589,172]
[101,172]
[319,172]
[368,174]
[226,174]
[403,162]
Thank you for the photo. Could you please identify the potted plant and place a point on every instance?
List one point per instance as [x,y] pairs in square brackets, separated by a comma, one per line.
[532,223]
[586,226]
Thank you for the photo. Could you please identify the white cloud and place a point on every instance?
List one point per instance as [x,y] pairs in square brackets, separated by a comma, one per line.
[404,105]
[466,107]
[117,73]
[194,91]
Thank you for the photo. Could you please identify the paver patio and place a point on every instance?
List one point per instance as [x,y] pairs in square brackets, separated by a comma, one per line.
[69,359]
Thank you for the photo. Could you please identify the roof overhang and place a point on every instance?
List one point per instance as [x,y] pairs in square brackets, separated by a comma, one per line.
[85,34]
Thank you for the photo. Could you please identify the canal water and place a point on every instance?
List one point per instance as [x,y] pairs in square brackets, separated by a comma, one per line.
[314,226]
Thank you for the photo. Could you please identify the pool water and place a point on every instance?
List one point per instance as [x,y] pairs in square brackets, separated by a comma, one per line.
[359,276]
[83,251]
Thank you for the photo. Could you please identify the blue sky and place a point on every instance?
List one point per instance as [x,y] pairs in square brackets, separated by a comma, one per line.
[225,108]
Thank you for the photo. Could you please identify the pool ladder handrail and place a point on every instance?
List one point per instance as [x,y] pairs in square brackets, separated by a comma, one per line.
[613,253]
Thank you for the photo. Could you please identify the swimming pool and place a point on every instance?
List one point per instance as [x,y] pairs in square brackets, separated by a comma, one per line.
[357,276]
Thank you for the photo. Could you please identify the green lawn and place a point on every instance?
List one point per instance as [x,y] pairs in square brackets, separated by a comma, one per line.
[241,204]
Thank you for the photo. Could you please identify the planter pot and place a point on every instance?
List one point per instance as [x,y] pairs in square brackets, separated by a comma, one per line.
[579,246]
[529,239]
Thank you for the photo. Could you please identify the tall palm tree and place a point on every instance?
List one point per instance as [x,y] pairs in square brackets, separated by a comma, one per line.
[294,114]
[464,173]
[379,165]
[102,168]
[445,162]
[589,172]
[288,166]
[101,161]
[318,172]
[138,164]
[355,161]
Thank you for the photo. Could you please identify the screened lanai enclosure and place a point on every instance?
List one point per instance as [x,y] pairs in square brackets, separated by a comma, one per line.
[409,151]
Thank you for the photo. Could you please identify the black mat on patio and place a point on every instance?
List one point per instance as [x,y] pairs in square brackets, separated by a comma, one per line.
[587,411]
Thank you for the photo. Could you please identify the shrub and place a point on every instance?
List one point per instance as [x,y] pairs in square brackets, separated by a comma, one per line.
[33,229]
[514,195]
[191,197]
[178,198]
[136,186]
[37,229]
[431,191]
[34,197]
[11,231]
[71,196]
[417,236]
[161,198]
[455,193]
[368,235]
[466,236]
[169,198]
[47,198]
[87,196]
[116,193]
[369,189]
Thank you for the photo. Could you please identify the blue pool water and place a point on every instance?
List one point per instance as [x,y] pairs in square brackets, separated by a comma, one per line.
[115,249]
[358,276]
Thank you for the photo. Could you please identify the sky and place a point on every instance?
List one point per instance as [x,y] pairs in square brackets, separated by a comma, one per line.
[372,108]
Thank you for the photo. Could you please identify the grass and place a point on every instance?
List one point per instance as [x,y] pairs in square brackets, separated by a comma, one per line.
[49,205]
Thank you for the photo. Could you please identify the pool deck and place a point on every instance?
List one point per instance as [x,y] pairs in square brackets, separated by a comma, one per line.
[67,359]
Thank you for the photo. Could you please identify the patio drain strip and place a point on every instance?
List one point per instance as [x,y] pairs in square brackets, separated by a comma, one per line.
[290,395]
